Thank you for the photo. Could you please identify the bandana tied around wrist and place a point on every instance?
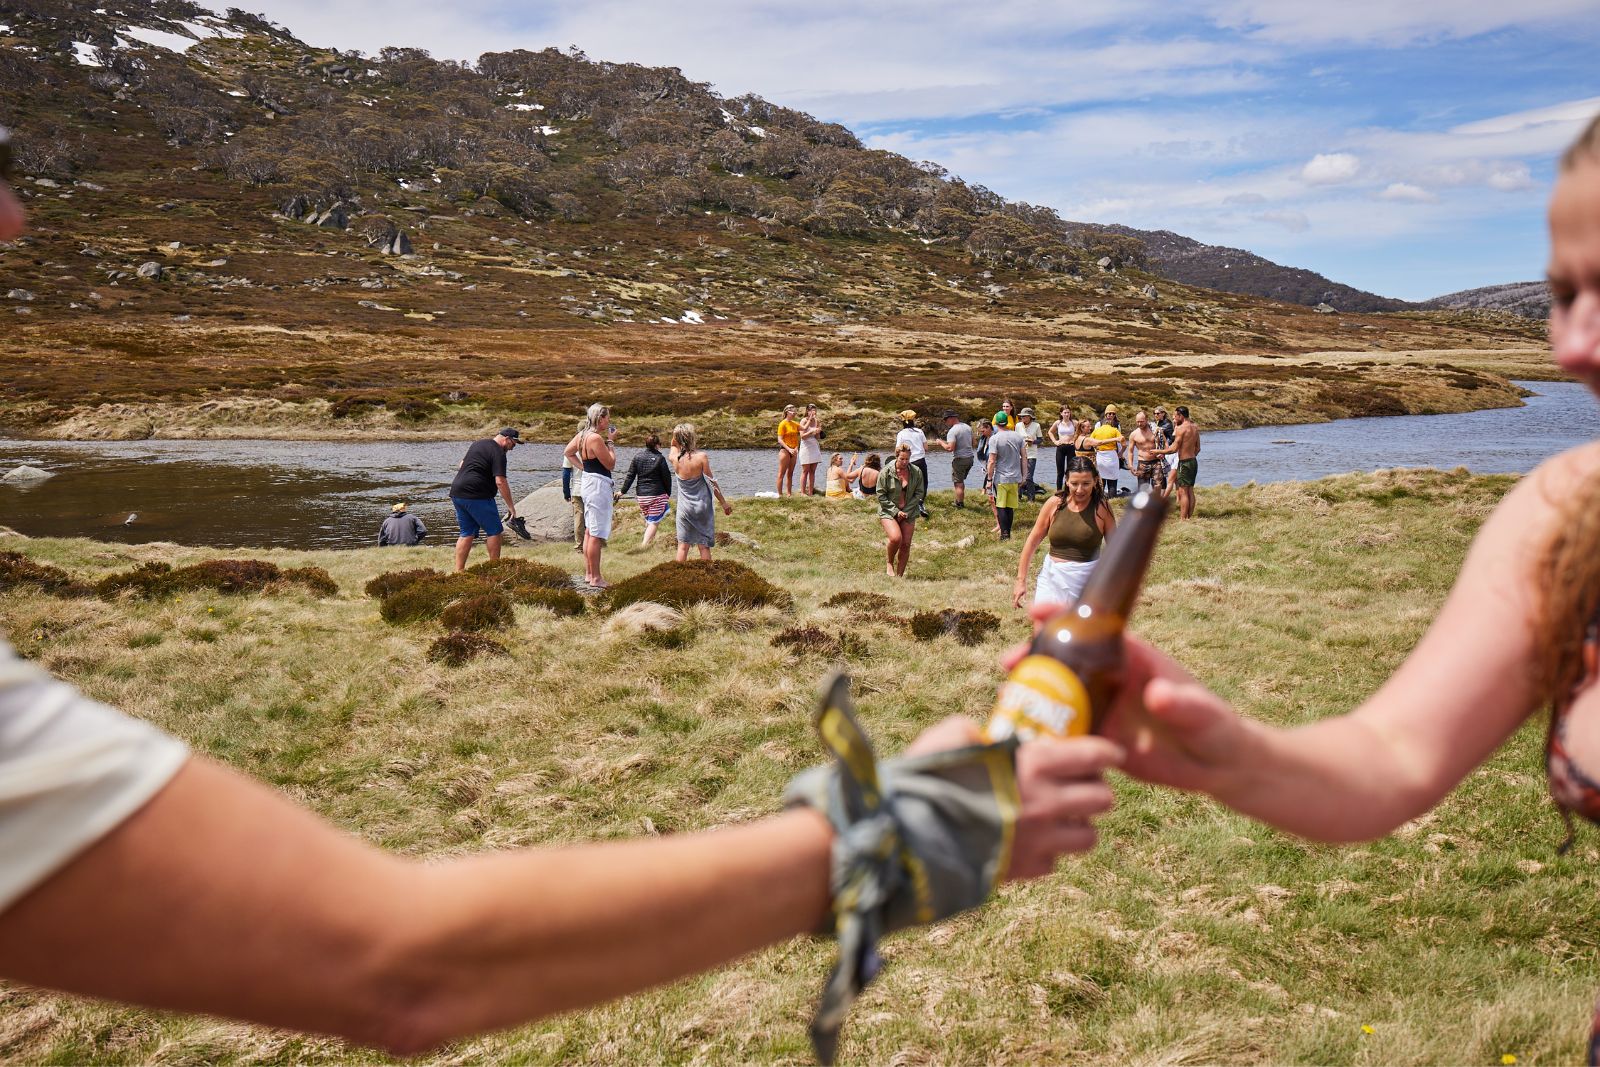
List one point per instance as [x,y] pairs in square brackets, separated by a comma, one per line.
[916,839]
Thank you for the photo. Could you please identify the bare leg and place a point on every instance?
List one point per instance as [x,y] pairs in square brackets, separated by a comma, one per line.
[649,534]
[1186,501]
[493,544]
[592,547]
[463,549]
[891,530]
[907,529]
[683,551]
[705,552]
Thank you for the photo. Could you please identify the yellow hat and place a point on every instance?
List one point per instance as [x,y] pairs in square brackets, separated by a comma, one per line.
[398,507]
[1111,409]
[908,414]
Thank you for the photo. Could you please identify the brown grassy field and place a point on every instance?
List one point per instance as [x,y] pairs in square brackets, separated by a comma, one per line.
[1189,936]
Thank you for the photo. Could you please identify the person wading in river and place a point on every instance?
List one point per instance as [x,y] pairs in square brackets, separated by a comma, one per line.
[482,472]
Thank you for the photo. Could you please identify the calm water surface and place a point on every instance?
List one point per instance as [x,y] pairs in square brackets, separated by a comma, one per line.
[321,494]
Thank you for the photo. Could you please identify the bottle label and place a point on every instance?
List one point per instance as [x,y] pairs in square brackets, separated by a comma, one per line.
[1041,698]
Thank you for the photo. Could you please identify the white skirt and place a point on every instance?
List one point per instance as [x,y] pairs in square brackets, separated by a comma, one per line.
[810,451]
[1061,581]
[597,503]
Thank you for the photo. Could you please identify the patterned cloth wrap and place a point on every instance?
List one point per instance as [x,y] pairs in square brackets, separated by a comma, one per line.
[917,839]
[654,508]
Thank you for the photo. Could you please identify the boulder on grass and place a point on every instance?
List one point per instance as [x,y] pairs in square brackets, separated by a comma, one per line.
[549,514]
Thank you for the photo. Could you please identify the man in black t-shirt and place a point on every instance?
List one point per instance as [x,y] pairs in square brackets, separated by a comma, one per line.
[481,473]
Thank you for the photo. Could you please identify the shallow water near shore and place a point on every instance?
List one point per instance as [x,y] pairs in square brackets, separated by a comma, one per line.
[333,494]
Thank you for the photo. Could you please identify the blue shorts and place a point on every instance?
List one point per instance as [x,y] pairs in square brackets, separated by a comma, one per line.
[475,515]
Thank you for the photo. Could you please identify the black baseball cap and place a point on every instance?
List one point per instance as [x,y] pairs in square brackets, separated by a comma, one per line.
[511,432]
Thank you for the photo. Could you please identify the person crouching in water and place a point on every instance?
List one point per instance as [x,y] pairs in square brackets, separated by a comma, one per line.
[901,492]
[401,528]
[1076,520]
[649,468]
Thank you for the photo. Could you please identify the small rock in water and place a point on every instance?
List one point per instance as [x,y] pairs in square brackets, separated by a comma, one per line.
[1285,441]
[26,475]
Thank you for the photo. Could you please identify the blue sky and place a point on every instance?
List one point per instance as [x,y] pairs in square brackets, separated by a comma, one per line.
[1401,146]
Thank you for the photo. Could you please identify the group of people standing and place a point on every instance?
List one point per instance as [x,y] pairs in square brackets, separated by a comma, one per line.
[1159,454]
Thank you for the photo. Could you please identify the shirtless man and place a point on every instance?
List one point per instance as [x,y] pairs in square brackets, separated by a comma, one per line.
[1148,469]
[1186,443]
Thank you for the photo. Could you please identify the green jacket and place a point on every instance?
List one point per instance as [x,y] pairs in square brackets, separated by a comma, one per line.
[889,492]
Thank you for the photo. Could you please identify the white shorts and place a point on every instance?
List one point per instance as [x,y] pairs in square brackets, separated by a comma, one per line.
[597,490]
[1060,581]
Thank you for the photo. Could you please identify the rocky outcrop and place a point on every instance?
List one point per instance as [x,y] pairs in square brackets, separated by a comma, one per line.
[151,270]
[26,475]
[548,513]
[388,238]
[302,208]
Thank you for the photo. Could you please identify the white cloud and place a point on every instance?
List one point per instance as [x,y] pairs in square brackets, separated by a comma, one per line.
[1408,193]
[1332,168]
[1386,23]
[1511,177]
[1293,221]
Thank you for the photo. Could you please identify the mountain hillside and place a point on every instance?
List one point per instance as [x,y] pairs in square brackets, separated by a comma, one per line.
[234,229]
[1531,300]
[1234,270]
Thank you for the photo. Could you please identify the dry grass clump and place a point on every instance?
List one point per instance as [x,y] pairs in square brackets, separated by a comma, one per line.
[643,616]
[679,585]
[457,647]
[487,611]
[234,577]
[968,627]
[525,581]
[19,572]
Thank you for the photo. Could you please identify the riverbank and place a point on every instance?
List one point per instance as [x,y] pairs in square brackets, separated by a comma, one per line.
[157,380]
[1190,935]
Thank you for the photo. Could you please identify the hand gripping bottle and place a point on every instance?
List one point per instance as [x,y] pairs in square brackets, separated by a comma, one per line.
[1069,678]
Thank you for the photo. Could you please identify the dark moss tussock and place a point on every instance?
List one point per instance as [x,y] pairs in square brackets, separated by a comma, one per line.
[391,582]
[233,577]
[968,627]
[525,581]
[18,572]
[487,611]
[679,585]
[456,648]
[564,602]
[428,596]
[812,640]
[857,600]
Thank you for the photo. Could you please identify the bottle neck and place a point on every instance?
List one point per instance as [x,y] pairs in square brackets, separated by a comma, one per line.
[1113,586]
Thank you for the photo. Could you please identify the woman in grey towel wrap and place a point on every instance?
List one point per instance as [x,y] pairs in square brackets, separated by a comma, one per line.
[696,485]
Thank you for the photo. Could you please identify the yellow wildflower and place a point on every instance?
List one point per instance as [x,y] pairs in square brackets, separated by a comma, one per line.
[1508,1059]
[1365,1029]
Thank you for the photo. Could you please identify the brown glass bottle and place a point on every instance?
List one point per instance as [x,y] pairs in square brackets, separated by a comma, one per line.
[1067,681]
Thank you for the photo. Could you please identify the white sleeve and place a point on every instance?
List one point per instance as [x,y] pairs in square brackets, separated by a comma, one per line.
[71,770]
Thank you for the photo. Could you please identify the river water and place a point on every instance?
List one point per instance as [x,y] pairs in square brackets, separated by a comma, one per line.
[333,494]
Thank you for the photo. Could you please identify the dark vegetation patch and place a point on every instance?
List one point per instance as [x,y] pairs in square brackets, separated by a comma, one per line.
[968,627]
[486,611]
[812,640]
[856,600]
[456,648]
[393,581]
[671,637]
[428,596]
[18,572]
[233,577]
[525,581]
[564,602]
[717,581]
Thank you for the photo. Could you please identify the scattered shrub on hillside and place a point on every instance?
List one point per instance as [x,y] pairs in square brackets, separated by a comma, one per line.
[456,648]
[19,572]
[524,580]
[486,611]
[968,627]
[156,581]
[857,600]
[427,597]
[393,581]
[696,582]
[804,639]
[316,580]
[147,581]
[225,576]
[564,602]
